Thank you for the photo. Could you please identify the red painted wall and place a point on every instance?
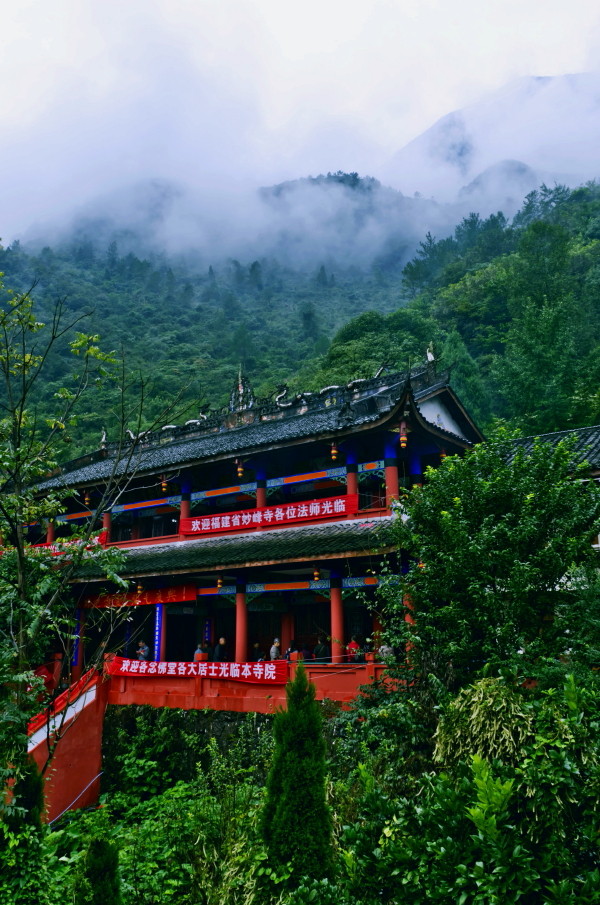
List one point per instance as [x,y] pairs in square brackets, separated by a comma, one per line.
[72,779]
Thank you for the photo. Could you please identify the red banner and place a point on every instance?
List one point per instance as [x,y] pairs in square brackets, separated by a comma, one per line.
[269,672]
[271,516]
[174,594]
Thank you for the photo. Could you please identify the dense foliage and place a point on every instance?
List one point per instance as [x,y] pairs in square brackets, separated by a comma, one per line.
[510,307]
[471,775]
[506,574]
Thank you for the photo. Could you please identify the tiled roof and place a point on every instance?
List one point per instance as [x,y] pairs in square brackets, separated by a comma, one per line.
[282,545]
[330,413]
[278,429]
[586,443]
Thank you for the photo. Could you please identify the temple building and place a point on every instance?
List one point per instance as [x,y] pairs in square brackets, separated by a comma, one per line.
[264,520]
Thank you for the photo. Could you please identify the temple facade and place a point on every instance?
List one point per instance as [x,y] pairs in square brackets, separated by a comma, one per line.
[264,520]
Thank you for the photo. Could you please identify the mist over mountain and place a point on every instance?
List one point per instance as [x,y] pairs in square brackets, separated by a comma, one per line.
[484,158]
[491,153]
[337,219]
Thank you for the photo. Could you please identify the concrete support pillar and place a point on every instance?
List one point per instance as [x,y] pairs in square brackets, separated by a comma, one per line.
[261,488]
[338,645]
[241,624]
[107,524]
[50,532]
[390,461]
[287,631]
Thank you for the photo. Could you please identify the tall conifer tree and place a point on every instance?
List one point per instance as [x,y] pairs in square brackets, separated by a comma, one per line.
[296,823]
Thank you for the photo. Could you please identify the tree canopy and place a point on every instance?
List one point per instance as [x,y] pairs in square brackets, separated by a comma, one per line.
[499,562]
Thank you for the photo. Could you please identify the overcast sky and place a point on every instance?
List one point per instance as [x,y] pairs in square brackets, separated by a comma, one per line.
[98,93]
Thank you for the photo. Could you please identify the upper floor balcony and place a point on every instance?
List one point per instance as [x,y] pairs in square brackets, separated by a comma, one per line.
[325,495]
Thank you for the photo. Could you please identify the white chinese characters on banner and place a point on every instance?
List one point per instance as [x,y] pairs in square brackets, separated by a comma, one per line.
[270,673]
[268,516]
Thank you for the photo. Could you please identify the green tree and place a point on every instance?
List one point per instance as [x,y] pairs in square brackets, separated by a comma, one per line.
[500,562]
[295,822]
[36,609]
[100,883]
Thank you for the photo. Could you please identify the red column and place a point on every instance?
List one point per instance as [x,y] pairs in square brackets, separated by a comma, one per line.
[185,509]
[338,645]
[261,494]
[351,478]
[376,631]
[50,532]
[287,631]
[261,487]
[241,625]
[392,488]
[106,524]
[390,462]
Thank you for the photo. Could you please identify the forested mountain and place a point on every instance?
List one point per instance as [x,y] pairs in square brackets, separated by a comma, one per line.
[506,143]
[512,307]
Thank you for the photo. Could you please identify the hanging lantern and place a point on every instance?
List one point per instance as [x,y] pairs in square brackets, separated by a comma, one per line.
[334,452]
[443,454]
[164,484]
[240,468]
[87,498]
[140,587]
[403,435]
[219,582]
[316,574]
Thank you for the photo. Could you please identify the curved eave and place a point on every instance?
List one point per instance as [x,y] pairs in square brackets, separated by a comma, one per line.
[355,537]
[457,409]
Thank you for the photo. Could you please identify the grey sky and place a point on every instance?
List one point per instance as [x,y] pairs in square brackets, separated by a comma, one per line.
[98,94]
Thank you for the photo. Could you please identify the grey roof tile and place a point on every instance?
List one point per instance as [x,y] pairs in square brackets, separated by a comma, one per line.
[586,443]
[279,545]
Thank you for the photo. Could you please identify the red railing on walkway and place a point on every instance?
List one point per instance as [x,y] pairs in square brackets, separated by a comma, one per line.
[337,682]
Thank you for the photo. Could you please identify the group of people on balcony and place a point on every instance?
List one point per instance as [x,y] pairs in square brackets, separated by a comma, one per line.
[320,654]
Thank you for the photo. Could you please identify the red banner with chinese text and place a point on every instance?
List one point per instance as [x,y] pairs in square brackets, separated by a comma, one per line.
[269,672]
[271,516]
[174,594]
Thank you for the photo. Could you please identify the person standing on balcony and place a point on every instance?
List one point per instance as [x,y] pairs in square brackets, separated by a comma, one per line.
[353,650]
[275,652]
[200,654]
[220,652]
[143,651]
[321,652]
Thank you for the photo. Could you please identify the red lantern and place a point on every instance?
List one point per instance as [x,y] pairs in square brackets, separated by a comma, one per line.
[403,435]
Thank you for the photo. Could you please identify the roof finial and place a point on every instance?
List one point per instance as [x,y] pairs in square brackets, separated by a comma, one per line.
[242,396]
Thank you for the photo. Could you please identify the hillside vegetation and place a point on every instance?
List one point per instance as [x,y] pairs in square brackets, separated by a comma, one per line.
[512,307]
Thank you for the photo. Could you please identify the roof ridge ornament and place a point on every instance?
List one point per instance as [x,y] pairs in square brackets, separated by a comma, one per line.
[242,395]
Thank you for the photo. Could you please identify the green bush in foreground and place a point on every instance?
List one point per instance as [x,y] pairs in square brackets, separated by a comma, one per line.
[296,823]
